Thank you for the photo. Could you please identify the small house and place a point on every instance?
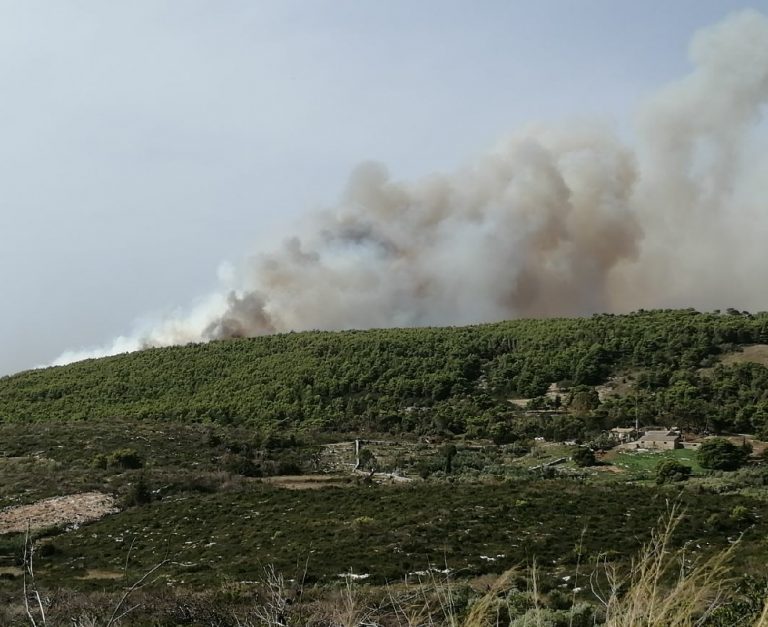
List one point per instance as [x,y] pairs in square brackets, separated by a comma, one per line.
[624,434]
[663,439]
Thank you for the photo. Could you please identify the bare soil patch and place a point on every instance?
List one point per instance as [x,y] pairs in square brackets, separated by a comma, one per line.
[758,446]
[756,354]
[608,468]
[73,509]
[308,482]
[620,385]
[101,574]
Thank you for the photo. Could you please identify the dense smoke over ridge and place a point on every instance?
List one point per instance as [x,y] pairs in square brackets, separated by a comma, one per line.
[554,221]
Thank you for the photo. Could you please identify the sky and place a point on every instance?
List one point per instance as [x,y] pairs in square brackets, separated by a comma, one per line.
[144,144]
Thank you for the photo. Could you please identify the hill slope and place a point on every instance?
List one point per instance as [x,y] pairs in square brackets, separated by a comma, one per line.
[427,379]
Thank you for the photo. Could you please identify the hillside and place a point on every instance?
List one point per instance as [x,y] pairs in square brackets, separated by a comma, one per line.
[225,463]
[426,380]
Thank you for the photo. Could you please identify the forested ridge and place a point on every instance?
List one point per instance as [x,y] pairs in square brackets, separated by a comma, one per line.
[425,380]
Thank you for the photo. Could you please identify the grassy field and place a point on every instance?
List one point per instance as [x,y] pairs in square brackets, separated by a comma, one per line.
[644,463]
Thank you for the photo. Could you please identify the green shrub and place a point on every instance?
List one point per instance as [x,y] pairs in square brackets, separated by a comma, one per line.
[584,456]
[46,549]
[288,467]
[139,493]
[363,521]
[671,470]
[125,458]
[720,454]
[741,515]
[367,460]
[236,464]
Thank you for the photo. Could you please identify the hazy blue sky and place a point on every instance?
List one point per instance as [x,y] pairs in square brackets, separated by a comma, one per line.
[142,143]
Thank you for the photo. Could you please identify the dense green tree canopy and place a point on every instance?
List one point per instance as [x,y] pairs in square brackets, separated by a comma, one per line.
[425,380]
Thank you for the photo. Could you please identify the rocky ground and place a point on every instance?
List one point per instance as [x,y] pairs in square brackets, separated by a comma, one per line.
[59,511]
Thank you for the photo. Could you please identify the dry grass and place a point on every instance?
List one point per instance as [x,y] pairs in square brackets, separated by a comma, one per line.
[309,482]
[756,354]
[665,587]
[485,611]
[763,620]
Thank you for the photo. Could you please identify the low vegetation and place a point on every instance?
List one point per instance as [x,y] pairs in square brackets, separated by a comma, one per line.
[663,586]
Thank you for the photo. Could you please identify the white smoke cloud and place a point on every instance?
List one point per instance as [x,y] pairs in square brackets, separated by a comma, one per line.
[554,221]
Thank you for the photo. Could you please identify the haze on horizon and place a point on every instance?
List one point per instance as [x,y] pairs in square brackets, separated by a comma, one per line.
[151,147]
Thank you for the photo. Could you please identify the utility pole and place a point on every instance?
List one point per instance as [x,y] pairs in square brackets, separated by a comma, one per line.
[637,419]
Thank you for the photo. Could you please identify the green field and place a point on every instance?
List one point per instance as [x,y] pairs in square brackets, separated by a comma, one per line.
[644,463]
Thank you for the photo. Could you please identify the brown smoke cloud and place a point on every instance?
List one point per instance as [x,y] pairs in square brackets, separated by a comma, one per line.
[554,221]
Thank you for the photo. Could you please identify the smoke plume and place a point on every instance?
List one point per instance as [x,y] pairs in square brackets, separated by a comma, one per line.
[553,221]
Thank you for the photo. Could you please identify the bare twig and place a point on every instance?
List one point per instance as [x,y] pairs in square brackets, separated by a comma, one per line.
[576,576]
[128,556]
[32,589]
[138,584]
